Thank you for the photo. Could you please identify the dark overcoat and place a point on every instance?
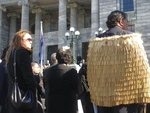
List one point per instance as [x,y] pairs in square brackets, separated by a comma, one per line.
[3,84]
[114,31]
[63,89]
[24,75]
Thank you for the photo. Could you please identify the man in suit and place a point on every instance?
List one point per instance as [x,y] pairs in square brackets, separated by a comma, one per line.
[62,84]
[117,24]
[45,77]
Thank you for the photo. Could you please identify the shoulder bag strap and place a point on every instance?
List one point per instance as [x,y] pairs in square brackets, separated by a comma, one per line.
[14,64]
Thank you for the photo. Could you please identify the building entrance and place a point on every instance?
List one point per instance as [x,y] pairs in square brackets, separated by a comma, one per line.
[84,50]
[50,50]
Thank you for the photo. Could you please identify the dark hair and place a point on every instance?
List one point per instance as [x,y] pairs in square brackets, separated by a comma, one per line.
[114,17]
[64,56]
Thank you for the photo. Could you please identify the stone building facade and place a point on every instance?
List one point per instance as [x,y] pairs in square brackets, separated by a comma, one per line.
[58,16]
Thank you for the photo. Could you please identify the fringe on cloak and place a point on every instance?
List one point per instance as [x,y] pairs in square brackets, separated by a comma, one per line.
[118,71]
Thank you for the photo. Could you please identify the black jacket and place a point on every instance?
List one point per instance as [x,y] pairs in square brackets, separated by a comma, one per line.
[63,89]
[45,82]
[24,75]
[114,31]
[3,83]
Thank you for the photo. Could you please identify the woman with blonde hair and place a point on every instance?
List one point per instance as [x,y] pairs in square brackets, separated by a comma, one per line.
[21,43]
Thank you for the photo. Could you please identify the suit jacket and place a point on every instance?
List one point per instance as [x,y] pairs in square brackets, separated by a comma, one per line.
[63,89]
[45,83]
[114,31]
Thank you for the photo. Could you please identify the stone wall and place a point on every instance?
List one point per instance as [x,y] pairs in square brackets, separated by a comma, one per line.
[5,33]
[143,23]
[105,7]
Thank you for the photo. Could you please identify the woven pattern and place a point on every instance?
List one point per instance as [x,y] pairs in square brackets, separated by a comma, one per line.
[118,71]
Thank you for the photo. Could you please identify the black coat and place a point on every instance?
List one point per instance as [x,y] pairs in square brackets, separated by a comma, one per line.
[114,31]
[85,96]
[63,88]
[24,75]
[3,84]
[45,83]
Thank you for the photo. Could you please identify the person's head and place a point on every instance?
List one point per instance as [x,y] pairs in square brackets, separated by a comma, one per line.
[117,18]
[83,60]
[47,64]
[64,55]
[53,58]
[35,68]
[22,38]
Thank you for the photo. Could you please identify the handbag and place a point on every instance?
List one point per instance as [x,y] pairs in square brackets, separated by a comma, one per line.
[40,107]
[19,99]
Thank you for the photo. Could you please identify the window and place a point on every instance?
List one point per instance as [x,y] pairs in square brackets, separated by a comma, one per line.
[127,5]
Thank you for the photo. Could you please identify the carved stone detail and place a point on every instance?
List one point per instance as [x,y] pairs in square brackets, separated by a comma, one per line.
[72,5]
[36,10]
[3,8]
[13,14]
[23,2]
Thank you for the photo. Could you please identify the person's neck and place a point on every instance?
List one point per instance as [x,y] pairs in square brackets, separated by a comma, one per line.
[118,25]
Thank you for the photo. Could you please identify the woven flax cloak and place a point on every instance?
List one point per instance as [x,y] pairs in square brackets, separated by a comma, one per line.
[118,71]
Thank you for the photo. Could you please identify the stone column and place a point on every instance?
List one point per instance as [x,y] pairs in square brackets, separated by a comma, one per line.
[2,8]
[73,15]
[36,40]
[25,14]
[94,16]
[62,23]
[81,19]
[13,17]
[46,23]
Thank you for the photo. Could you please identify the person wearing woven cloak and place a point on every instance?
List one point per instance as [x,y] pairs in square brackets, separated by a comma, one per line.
[119,93]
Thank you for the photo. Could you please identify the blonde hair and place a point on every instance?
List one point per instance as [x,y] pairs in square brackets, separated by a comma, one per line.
[16,42]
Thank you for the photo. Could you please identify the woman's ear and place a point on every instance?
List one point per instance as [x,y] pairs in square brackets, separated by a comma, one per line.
[120,23]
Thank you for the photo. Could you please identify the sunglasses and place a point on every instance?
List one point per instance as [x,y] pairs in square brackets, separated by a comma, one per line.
[28,39]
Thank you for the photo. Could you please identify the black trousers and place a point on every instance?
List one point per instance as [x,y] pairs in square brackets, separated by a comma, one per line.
[148,108]
[131,108]
[86,103]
